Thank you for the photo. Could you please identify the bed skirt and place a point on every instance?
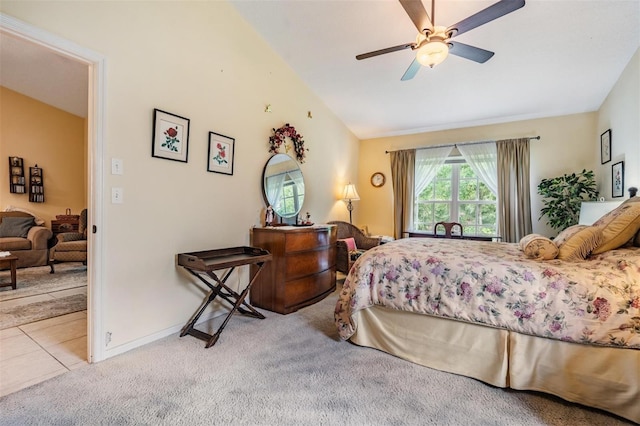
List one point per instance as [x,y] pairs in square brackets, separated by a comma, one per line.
[600,377]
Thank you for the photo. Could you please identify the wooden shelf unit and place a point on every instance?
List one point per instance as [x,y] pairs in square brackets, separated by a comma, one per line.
[36,185]
[16,176]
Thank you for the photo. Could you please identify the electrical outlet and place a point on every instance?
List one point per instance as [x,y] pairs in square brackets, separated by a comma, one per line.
[117,195]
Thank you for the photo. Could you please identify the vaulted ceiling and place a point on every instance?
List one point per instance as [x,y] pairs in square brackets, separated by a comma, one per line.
[551,58]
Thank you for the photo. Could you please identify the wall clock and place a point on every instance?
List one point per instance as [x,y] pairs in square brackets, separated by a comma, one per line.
[377,179]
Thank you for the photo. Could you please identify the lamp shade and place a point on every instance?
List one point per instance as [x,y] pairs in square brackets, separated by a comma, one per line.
[433,53]
[591,211]
[350,192]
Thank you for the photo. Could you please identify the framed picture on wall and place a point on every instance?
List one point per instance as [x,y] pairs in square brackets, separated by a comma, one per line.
[617,179]
[220,156]
[170,136]
[605,147]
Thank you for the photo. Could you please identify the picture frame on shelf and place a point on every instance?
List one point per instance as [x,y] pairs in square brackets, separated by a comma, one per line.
[170,136]
[605,147]
[221,154]
[617,179]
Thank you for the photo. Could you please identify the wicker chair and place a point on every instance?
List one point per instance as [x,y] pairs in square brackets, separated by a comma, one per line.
[344,259]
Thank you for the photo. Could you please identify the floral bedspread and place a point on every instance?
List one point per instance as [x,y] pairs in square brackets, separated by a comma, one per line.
[596,301]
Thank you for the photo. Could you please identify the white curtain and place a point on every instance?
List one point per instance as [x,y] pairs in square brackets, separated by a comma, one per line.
[428,161]
[274,190]
[483,160]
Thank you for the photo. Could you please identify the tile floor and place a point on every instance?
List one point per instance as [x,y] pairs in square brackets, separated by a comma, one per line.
[35,352]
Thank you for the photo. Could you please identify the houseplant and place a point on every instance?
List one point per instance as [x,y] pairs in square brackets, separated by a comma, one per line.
[563,195]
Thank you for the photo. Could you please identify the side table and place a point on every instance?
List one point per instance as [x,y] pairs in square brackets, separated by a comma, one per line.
[12,259]
[203,265]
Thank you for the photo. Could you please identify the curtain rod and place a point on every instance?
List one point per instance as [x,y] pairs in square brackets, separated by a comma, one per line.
[456,144]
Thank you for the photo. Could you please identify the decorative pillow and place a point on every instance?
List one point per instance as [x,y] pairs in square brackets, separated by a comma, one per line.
[577,242]
[538,247]
[618,227]
[16,226]
[351,244]
[632,200]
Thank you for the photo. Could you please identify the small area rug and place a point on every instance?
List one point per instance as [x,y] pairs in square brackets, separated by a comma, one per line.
[32,312]
[19,307]
[38,280]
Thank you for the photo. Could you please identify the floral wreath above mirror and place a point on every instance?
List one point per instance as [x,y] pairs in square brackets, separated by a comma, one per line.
[279,137]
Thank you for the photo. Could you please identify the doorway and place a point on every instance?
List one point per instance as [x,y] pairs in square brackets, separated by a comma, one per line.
[94,64]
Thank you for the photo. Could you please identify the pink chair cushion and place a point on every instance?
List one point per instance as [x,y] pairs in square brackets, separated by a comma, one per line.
[351,244]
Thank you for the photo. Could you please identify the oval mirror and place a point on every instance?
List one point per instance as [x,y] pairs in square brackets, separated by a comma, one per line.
[283,185]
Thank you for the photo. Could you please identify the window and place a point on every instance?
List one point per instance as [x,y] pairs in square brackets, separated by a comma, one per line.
[456,194]
[290,198]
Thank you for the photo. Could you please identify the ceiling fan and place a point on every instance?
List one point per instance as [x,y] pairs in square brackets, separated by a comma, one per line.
[434,42]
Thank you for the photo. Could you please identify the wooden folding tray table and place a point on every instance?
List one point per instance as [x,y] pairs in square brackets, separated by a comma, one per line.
[203,265]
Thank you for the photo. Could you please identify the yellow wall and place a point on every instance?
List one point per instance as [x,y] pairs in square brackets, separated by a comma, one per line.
[565,145]
[52,139]
[202,61]
[568,144]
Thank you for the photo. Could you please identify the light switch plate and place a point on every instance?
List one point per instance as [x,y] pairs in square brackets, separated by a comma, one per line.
[117,166]
[117,195]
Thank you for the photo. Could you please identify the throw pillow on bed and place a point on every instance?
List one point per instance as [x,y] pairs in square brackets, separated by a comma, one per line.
[16,226]
[618,227]
[577,242]
[538,247]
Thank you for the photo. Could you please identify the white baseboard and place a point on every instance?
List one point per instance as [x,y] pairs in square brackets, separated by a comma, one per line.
[117,350]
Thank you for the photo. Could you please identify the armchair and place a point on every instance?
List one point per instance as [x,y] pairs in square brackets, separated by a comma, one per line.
[71,246]
[344,258]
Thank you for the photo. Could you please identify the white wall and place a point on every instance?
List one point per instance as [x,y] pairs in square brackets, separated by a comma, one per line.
[199,60]
[620,112]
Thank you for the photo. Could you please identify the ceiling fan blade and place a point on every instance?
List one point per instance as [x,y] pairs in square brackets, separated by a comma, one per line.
[383,51]
[418,14]
[411,71]
[486,15]
[469,52]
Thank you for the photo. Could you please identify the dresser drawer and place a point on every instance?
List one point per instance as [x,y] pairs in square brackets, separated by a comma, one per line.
[304,289]
[307,263]
[298,241]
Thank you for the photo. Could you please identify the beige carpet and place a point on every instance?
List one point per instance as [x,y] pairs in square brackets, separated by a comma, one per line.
[283,370]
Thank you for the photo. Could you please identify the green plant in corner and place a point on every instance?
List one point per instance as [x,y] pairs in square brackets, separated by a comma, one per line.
[563,195]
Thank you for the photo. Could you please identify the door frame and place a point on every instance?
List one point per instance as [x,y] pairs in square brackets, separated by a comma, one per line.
[96,64]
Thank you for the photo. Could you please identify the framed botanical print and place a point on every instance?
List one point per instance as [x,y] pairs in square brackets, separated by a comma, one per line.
[605,147]
[170,136]
[617,179]
[220,157]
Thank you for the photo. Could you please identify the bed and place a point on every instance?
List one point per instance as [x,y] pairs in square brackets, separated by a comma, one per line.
[487,311]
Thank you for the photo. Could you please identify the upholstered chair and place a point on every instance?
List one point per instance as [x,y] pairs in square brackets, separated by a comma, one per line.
[71,246]
[352,242]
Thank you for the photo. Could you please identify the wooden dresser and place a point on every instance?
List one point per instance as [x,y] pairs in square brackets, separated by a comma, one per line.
[303,269]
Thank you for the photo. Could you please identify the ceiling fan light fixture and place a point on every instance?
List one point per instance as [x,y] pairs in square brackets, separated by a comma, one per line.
[432,53]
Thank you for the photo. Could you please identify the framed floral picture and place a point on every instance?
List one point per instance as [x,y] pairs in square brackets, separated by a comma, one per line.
[170,136]
[220,157]
[605,147]
[617,179]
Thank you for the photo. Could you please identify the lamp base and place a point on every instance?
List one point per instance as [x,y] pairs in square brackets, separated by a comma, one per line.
[350,208]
